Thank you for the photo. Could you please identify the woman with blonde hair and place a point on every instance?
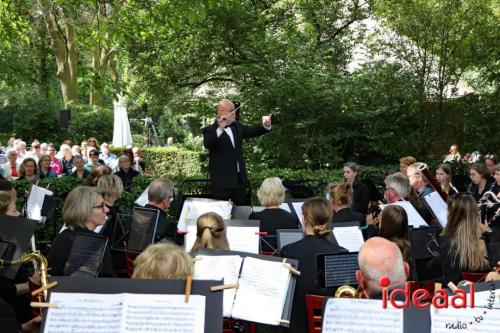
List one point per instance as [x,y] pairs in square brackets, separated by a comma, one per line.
[111,188]
[340,198]
[317,213]
[271,195]
[462,249]
[163,261]
[210,233]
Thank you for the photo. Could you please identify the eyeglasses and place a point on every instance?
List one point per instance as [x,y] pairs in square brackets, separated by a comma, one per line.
[388,188]
[101,206]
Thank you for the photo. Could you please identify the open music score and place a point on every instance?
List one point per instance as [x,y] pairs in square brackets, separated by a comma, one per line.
[262,286]
[35,201]
[116,313]
[360,315]
[414,218]
[350,238]
[194,207]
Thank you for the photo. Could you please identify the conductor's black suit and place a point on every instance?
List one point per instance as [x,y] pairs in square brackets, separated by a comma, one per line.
[226,164]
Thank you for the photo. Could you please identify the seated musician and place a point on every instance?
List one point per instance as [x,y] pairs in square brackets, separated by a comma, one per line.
[422,188]
[340,198]
[111,188]
[462,249]
[378,258]
[271,195]
[83,211]
[317,215]
[444,175]
[360,192]
[480,181]
[210,233]
[160,195]
[164,260]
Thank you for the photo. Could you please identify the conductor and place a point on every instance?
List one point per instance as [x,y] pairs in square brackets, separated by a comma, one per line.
[224,139]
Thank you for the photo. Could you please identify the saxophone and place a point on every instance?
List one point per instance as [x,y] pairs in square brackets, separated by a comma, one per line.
[42,264]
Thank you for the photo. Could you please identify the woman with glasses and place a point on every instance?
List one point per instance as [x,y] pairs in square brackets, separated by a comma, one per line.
[44,169]
[461,246]
[83,211]
[93,143]
[480,182]
[443,176]
[210,233]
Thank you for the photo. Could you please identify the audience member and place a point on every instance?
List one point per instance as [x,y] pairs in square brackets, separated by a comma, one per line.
[340,198]
[66,160]
[453,156]
[55,163]
[93,143]
[126,173]
[379,258]
[28,170]
[21,151]
[360,192]
[44,169]
[271,195]
[80,171]
[108,157]
[130,154]
[138,158]
[317,214]
[10,170]
[165,261]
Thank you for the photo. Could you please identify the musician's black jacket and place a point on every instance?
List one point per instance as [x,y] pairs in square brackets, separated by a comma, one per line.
[61,248]
[360,197]
[348,215]
[223,157]
[306,251]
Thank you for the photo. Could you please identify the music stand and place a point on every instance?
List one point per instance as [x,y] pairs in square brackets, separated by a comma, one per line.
[288,236]
[337,269]
[346,224]
[121,230]
[86,255]
[424,247]
[143,229]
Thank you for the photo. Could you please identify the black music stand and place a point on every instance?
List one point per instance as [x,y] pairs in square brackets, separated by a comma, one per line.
[492,242]
[424,247]
[143,229]
[337,269]
[17,231]
[288,236]
[86,255]
[121,230]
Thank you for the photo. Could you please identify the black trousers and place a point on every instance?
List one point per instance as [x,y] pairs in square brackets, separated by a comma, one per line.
[237,194]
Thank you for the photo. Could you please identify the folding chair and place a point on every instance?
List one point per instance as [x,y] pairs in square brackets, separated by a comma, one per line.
[314,308]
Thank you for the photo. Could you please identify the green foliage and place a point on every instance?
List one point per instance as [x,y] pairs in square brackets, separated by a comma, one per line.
[89,121]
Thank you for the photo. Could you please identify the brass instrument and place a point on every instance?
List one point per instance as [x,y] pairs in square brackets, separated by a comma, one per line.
[347,291]
[42,264]
[484,199]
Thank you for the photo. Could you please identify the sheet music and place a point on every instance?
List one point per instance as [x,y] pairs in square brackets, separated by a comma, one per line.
[361,315]
[414,217]
[243,239]
[350,238]
[465,320]
[262,291]
[297,207]
[116,313]
[194,207]
[35,202]
[142,200]
[216,268]
[283,206]
[438,206]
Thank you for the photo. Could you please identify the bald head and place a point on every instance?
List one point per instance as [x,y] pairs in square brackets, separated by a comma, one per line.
[225,105]
[379,257]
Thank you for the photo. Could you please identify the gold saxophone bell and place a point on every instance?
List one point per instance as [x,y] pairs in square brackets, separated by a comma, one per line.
[347,291]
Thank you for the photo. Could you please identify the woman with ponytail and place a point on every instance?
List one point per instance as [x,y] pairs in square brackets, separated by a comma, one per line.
[317,215]
[210,233]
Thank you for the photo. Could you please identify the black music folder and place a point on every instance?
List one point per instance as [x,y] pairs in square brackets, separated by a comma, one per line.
[18,232]
[106,286]
[242,299]
[424,248]
[337,269]
[86,255]
[143,229]
[288,236]
[492,242]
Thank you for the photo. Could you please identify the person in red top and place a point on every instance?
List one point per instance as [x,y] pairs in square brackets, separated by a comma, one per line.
[10,169]
[55,164]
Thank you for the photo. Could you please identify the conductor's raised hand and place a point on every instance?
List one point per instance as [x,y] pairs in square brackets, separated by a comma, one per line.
[266,121]
[223,122]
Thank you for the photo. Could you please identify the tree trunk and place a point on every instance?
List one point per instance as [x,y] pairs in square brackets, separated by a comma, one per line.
[63,45]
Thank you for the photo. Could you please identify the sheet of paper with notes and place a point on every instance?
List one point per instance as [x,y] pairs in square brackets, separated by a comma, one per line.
[127,313]
[262,286]
[194,207]
[348,315]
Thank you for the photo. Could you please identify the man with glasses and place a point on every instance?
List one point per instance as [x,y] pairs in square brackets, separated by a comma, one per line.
[397,188]
[224,139]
